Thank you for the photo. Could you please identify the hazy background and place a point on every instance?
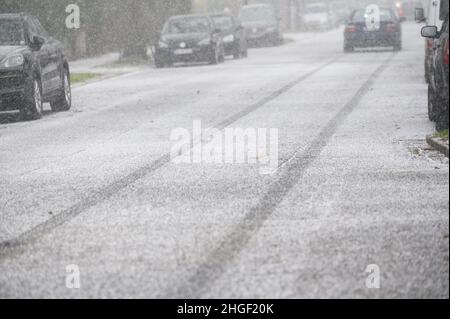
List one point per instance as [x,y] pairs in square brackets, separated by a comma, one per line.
[129,26]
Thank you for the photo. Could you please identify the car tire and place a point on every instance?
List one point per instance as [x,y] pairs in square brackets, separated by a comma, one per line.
[222,55]
[348,48]
[64,100]
[159,64]
[431,104]
[33,109]
[214,58]
[441,114]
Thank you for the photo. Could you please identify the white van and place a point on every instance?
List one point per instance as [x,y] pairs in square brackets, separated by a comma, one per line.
[432,13]
[432,17]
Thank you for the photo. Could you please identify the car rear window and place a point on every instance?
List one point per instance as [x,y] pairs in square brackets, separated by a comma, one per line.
[361,15]
[251,14]
[188,25]
[11,32]
[318,8]
[224,23]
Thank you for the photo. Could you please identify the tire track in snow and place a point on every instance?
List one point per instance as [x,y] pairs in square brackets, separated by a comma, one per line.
[17,245]
[232,245]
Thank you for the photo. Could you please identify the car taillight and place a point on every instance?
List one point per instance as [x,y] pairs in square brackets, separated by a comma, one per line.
[430,44]
[351,29]
[390,27]
[446,58]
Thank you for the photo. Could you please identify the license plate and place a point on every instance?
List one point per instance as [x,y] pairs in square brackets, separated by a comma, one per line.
[183,51]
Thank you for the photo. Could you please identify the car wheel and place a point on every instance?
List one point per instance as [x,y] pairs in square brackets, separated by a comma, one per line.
[441,114]
[159,64]
[34,106]
[348,48]
[431,104]
[222,55]
[214,59]
[64,100]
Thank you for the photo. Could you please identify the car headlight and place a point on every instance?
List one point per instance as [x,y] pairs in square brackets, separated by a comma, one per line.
[228,38]
[162,44]
[13,61]
[206,41]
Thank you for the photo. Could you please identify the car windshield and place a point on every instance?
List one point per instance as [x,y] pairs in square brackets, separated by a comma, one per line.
[188,25]
[11,32]
[362,15]
[224,23]
[257,14]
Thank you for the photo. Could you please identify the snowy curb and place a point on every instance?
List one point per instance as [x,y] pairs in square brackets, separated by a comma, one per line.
[438,144]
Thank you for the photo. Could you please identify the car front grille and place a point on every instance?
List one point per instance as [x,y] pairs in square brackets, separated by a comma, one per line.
[10,80]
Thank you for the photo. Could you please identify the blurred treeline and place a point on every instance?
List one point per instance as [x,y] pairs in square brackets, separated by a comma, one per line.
[106,25]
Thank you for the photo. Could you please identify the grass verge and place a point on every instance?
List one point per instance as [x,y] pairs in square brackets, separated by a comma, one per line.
[442,134]
[77,78]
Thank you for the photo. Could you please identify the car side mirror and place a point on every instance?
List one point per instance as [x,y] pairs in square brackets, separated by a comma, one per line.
[37,42]
[420,15]
[430,32]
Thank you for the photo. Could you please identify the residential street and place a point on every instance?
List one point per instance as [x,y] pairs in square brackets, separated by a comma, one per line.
[355,186]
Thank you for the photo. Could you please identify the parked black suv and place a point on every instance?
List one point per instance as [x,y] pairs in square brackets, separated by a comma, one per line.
[33,68]
[438,87]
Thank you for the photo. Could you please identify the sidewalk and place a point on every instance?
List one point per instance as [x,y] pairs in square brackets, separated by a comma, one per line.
[106,65]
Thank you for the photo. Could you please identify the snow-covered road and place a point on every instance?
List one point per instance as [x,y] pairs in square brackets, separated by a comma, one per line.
[95,187]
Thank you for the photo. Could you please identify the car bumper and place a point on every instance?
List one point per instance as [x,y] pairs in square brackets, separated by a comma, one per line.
[259,37]
[13,85]
[373,39]
[198,54]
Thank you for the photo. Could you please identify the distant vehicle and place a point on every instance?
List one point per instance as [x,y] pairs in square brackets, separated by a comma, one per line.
[261,24]
[431,19]
[318,16]
[33,68]
[363,31]
[408,9]
[189,38]
[439,87]
[233,33]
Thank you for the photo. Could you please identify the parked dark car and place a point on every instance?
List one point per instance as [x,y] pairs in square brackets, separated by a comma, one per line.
[261,24]
[361,31]
[233,34]
[438,87]
[190,38]
[33,68]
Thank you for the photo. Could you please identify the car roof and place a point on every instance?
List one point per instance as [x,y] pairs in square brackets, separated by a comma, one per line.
[259,5]
[220,15]
[12,16]
[381,8]
[189,16]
